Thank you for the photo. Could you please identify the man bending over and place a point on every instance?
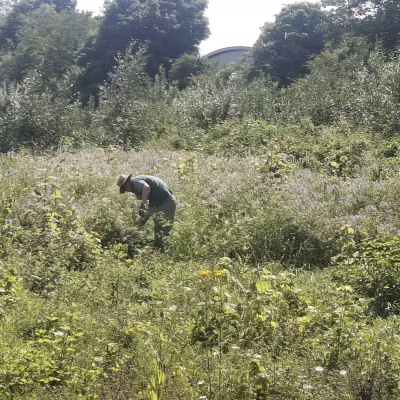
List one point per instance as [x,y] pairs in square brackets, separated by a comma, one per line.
[157,201]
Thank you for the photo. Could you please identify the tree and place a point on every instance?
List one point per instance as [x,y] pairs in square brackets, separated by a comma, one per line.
[5,8]
[186,67]
[375,20]
[168,27]
[48,42]
[284,47]
[20,10]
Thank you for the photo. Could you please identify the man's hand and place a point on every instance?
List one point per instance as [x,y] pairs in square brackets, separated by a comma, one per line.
[142,211]
[144,215]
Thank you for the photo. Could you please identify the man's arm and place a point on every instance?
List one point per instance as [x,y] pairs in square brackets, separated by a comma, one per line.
[141,190]
[145,194]
[143,211]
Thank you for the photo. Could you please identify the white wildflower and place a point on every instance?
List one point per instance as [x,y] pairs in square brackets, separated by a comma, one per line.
[307,386]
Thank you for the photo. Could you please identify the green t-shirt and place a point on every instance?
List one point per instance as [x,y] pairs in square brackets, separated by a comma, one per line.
[159,191]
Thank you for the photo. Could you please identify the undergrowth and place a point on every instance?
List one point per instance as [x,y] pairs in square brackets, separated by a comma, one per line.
[281,282]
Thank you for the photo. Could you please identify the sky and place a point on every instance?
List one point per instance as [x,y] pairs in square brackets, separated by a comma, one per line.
[232,22]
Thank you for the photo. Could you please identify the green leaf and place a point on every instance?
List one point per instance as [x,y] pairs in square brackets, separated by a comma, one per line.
[262,286]
[52,225]
[56,195]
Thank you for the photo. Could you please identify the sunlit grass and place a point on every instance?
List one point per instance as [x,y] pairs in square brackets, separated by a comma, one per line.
[244,306]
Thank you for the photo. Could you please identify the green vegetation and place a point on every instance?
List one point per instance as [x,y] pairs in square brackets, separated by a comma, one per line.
[186,67]
[243,307]
[284,47]
[170,28]
[283,277]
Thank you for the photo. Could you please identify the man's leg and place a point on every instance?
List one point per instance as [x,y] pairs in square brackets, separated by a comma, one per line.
[159,236]
[163,221]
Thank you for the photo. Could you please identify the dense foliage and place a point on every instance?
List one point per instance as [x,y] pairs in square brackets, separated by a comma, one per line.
[171,28]
[244,306]
[186,67]
[50,43]
[284,47]
[376,20]
[282,279]
[15,13]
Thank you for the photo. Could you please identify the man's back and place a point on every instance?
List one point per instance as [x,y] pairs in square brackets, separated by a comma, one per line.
[159,190]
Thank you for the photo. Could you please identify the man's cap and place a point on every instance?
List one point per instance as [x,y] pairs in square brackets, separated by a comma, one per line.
[121,182]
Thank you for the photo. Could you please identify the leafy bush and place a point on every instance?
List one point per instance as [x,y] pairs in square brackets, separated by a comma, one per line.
[348,87]
[9,285]
[40,117]
[53,236]
[280,239]
[371,267]
[237,137]
[211,99]
[186,66]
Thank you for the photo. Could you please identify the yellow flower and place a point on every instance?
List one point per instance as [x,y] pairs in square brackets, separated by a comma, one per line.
[347,229]
[220,272]
[204,272]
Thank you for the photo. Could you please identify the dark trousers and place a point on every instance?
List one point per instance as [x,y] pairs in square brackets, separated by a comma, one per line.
[163,217]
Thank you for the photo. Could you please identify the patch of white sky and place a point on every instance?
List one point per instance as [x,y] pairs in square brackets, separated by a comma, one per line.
[232,22]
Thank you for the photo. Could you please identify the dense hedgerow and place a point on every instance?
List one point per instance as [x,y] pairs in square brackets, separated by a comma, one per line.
[347,90]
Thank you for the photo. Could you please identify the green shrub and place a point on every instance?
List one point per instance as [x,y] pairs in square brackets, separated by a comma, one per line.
[250,136]
[40,117]
[280,238]
[186,67]
[372,267]
[54,237]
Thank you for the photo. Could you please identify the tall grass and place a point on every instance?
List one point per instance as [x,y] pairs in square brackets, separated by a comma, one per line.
[244,306]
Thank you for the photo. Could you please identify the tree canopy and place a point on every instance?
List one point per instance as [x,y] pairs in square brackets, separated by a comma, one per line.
[17,14]
[48,42]
[284,47]
[51,39]
[170,28]
[375,20]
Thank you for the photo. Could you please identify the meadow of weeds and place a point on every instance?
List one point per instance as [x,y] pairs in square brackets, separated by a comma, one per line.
[281,282]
